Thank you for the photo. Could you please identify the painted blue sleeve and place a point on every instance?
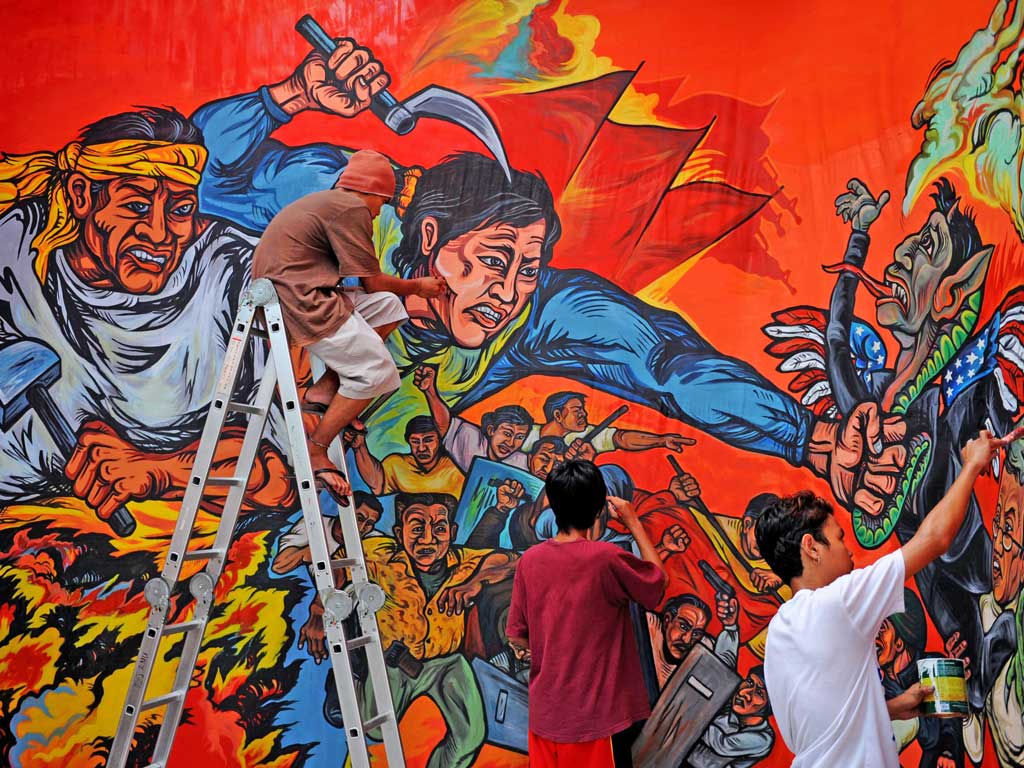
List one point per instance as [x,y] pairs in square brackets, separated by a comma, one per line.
[585,328]
[249,176]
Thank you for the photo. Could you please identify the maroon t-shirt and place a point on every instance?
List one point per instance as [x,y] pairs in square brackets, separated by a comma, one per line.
[570,600]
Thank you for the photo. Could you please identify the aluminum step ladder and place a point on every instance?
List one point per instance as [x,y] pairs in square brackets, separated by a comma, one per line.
[359,596]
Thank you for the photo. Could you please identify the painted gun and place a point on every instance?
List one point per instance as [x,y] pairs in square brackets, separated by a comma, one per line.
[721,586]
[433,101]
[699,506]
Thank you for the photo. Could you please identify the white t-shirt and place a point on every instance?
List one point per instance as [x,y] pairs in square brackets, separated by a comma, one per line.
[822,673]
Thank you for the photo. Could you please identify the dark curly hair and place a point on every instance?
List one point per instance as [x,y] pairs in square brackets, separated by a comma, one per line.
[783,524]
[466,192]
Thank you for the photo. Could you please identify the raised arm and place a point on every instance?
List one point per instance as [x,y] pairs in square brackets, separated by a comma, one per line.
[425,379]
[371,470]
[940,526]
[249,177]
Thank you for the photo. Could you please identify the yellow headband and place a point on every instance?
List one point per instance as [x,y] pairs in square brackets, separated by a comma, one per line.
[23,177]
[410,179]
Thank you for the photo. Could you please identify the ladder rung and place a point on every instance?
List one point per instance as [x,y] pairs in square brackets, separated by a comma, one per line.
[245,408]
[203,554]
[234,481]
[344,562]
[359,642]
[380,719]
[185,626]
[156,765]
[161,701]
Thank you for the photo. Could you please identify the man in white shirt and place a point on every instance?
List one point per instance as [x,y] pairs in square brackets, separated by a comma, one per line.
[820,665]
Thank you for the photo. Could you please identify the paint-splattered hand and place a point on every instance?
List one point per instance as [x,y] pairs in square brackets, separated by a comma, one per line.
[858,206]
[107,471]
[510,493]
[458,599]
[312,635]
[343,84]
[764,580]
[684,487]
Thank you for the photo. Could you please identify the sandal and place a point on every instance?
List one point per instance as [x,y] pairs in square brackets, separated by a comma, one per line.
[340,500]
[317,409]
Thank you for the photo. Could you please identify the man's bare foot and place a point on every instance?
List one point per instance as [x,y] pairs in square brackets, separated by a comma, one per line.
[326,473]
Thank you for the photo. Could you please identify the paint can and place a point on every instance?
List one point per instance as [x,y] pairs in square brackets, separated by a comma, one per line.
[946,676]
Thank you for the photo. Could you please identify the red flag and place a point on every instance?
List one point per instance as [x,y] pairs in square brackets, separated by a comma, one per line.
[616,192]
[549,131]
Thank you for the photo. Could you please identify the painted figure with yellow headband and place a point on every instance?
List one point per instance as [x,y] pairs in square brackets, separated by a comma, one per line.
[107,261]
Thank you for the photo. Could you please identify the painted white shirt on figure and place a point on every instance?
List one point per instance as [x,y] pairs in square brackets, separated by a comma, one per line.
[146,364]
[822,672]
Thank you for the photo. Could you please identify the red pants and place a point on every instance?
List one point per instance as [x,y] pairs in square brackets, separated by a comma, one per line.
[586,754]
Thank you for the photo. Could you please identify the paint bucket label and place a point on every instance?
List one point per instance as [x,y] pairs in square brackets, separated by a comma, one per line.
[949,698]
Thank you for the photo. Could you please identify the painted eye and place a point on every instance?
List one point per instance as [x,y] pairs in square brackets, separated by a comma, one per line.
[138,207]
[529,271]
[184,209]
[492,261]
[927,242]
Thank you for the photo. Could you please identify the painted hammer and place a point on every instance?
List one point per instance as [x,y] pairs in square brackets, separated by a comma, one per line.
[27,369]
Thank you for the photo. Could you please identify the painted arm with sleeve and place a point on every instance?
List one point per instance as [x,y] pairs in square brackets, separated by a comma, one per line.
[584,327]
[249,176]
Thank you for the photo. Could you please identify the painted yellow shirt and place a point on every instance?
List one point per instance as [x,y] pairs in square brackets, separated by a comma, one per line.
[402,473]
[732,527]
[407,615]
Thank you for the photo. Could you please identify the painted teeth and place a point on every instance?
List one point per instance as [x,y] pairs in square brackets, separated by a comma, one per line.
[898,291]
[483,309]
[146,256]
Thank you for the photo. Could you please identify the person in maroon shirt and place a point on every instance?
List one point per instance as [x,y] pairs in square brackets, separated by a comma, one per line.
[570,612]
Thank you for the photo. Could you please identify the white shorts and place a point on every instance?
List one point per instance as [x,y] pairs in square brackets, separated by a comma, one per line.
[356,353]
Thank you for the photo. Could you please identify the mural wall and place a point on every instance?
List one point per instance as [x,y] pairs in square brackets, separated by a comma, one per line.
[677,279]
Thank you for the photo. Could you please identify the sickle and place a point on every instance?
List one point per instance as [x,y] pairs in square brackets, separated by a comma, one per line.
[433,101]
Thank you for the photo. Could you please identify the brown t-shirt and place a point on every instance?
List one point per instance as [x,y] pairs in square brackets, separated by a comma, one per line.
[306,250]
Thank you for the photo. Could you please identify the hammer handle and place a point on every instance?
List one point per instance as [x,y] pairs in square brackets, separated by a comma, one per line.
[382,102]
[121,521]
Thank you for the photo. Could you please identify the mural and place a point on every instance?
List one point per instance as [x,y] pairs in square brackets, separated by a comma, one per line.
[655,283]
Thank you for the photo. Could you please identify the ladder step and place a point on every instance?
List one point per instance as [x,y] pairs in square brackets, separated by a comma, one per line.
[358,642]
[156,765]
[185,626]
[344,562]
[379,720]
[162,701]
[245,408]
[203,554]
[233,481]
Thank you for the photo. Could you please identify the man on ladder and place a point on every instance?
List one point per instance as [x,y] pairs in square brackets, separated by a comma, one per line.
[306,251]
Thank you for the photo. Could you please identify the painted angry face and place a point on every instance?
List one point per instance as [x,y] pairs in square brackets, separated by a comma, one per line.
[505,438]
[491,273]
[683,631]
[136,231]
[425,447]
[426,533]
[1008,540]
[913,277]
